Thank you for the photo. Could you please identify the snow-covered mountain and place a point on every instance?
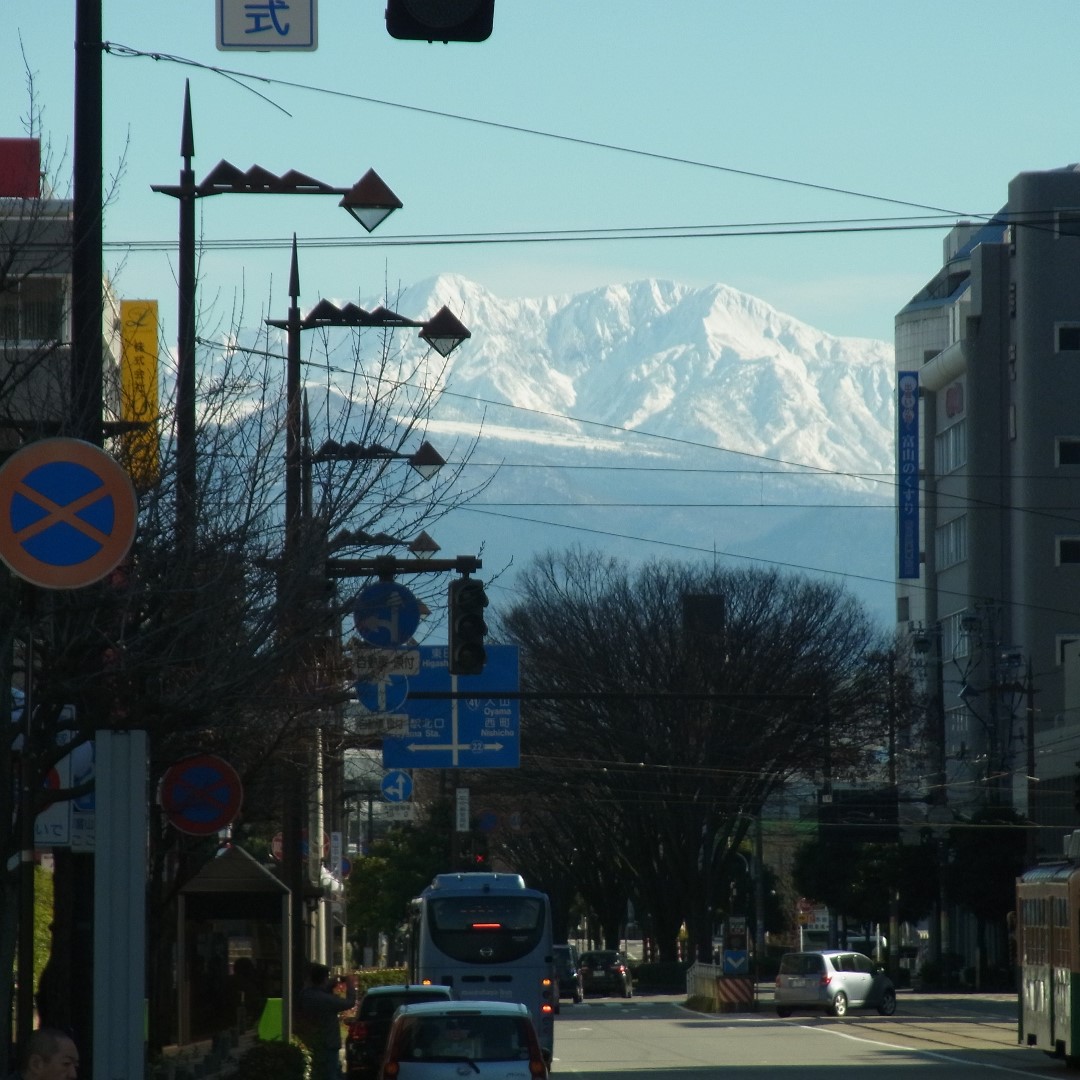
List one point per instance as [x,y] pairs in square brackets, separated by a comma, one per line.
[652,419]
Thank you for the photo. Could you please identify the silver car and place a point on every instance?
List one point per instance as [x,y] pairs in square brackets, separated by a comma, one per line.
[832,980]
[478,1040]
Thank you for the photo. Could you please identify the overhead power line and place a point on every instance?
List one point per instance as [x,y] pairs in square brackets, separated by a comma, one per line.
[243,78]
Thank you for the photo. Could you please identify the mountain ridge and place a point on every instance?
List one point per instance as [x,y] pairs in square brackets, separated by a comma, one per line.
[654,418]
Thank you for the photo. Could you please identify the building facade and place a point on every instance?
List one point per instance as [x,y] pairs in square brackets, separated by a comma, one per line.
[992,598]
[36,329]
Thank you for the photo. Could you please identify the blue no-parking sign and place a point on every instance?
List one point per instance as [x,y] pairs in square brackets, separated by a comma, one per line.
[67,513]
[201,794]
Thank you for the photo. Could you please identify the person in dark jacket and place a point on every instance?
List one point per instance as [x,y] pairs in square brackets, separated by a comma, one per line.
[318,1020]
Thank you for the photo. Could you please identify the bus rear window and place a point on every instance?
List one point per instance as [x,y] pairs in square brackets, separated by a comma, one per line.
[487,930]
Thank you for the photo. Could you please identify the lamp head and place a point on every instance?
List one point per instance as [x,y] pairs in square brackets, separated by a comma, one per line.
[427,461]
[370,201]
[444,332]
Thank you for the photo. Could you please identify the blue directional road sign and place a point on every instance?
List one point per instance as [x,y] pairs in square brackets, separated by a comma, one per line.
[386,614]
[477,732]
[384,695]
[397,786]
[384,678]
[736,962]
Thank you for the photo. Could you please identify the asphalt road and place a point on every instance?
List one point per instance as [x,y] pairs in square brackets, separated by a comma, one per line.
[943,1037]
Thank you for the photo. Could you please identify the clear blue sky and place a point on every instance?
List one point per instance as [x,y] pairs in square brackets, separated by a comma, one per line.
[922,102]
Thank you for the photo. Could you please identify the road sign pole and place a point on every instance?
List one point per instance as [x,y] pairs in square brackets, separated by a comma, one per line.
[120,903]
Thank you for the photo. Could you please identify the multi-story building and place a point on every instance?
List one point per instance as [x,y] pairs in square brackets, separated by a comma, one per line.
[35,297]
[36,331]
[988,458]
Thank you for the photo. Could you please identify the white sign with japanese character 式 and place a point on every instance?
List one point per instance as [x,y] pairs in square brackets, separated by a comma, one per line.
[267,25]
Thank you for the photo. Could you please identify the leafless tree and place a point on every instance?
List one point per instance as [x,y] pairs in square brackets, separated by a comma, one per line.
[217,645]
[663,738]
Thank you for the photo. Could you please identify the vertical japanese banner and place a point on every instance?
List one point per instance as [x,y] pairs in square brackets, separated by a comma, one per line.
[139,388]
[461,810]
[907,473]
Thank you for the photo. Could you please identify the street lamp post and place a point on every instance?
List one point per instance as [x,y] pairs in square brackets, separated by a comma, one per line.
[444,333]
[369,201]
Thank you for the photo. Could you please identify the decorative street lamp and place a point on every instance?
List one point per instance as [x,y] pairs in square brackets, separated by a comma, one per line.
[443,332]
[369,201]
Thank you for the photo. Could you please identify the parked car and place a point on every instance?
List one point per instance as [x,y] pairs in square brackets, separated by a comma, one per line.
[567,971]
[606,971]
[832,980]
[480,1040]
[366,1035]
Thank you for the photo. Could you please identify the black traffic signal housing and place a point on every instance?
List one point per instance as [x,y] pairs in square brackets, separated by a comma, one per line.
[466,626]
[1076,788]
[440,20]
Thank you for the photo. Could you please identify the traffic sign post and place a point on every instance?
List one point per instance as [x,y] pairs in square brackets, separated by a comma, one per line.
[67,513]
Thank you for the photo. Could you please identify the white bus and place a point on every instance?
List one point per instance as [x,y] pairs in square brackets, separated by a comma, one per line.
[488,937]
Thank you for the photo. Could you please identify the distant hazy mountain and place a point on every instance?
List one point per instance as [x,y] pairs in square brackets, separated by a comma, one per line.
[778,434]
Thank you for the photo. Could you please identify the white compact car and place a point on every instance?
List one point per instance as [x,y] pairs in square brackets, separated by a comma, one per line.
[478,1040]
[833,981]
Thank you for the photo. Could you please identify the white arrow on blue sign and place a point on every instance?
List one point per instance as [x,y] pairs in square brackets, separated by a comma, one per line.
[397,786]
[386,614]
[475,732]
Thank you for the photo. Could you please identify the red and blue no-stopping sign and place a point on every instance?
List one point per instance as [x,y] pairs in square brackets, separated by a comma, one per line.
[67,513]
[201,795]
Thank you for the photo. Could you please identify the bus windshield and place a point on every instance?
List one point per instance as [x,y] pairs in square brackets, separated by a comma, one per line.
[487,929]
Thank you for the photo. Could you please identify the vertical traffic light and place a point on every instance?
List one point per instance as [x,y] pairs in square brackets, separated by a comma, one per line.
[440,20]
[467,626]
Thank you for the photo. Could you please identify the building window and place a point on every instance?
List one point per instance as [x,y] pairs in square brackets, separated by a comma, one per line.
[955,641]
[32,310]
[1068,223]
[1068,450]
[951,542]
[1068,337]
[950,448]
[1061,643]
[1068,550]
[956,729]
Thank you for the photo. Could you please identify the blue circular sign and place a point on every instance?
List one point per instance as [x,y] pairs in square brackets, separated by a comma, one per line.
[386,695]
[201,795]
[386,614]
[397,786]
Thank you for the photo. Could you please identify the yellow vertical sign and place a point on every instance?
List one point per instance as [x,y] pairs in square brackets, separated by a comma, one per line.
[139,388]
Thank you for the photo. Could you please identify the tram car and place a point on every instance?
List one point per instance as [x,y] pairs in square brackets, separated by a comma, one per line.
[1048,954]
